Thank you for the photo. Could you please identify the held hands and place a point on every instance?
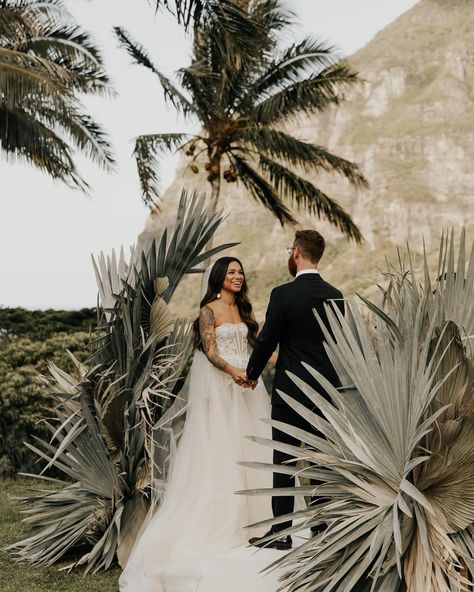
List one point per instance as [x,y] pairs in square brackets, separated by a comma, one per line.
[239,376]
[250,383]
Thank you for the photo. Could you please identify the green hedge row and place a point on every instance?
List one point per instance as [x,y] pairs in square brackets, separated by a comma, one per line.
[41,324]
[29,340]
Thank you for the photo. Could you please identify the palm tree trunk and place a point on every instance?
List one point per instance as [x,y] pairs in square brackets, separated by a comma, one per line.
[215,192]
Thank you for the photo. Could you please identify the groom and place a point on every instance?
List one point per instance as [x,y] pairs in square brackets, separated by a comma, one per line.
[291,324]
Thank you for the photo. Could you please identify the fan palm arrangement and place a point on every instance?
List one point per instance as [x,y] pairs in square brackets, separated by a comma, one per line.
[46,63]
[242,107]
[396,460]
[107,436]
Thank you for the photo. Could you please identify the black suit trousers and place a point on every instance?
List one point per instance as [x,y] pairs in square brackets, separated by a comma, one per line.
[282,505]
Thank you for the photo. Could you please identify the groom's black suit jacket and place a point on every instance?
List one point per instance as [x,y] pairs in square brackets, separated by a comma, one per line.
[290,323]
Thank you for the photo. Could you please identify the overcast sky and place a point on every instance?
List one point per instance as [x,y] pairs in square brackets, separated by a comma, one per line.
[47,231]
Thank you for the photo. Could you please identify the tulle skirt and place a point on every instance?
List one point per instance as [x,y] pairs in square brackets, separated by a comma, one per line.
[196,540]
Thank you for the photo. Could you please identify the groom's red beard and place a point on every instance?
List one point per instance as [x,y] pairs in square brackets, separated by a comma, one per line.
[292,266]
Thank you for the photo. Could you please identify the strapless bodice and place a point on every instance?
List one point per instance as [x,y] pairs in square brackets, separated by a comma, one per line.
[232,344]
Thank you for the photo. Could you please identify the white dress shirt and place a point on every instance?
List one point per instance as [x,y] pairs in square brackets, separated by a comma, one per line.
[310,270]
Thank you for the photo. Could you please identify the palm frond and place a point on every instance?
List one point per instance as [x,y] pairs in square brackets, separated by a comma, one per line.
[24,138]
[22,74]
[71,49]
[168,429]
[304,194]
[454,285]
[38,12]
[74,513]
[227,18]
[295,63]
[147,150]
[134,49]
[279,144]
[111,273]
[316,93]
[207,90]
[171,92]
[261,190]
[63,42]
[274,17]
[80,129]
[90,138]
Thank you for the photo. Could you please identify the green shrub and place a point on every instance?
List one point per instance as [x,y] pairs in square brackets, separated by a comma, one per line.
[41,324]
[23,399]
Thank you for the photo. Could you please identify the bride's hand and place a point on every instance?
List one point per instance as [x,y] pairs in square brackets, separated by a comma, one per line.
[238,375]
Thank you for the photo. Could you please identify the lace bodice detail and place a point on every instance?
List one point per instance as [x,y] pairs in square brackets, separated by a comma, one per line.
[232,344]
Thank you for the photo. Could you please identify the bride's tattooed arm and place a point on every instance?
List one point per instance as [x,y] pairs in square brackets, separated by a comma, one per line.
[208,338]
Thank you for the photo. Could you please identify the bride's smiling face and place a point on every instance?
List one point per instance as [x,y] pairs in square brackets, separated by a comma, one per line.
[234,278]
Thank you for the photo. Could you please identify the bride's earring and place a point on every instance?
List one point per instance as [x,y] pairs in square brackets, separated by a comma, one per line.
[218,295]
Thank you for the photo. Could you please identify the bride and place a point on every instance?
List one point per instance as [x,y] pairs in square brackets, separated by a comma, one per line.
[183,546]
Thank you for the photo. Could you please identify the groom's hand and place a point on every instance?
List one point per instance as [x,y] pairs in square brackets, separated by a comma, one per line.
[249,383]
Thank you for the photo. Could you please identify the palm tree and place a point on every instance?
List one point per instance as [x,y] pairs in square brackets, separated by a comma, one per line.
[242,107]
[396,462]
[46,63]
[231,17]
[110,434]
[198,11]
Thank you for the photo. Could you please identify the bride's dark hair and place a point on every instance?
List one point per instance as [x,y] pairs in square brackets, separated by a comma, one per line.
[214,286]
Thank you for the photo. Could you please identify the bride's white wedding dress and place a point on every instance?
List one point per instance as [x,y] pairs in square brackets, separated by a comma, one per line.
[196,540]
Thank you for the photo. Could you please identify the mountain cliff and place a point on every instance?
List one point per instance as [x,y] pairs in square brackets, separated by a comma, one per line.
[409,124]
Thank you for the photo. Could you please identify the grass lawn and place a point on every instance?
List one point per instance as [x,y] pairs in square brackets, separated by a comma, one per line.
[16,577]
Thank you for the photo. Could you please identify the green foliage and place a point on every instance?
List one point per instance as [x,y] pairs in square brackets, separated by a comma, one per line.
[396,461]
[109,417]
[242,106]
[23,359]
[46,63]
[42,324]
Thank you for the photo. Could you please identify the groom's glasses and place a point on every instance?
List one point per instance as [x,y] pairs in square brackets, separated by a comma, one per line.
[290,250]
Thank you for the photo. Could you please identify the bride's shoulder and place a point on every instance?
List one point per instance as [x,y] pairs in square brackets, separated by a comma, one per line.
[213,313]
[209,312]
[210,307]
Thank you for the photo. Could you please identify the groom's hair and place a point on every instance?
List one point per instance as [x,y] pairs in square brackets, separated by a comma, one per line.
[311,244]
